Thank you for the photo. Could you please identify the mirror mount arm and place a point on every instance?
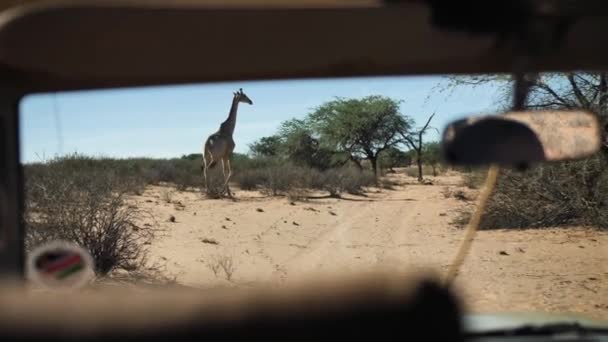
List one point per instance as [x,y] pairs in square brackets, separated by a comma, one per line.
[532,42]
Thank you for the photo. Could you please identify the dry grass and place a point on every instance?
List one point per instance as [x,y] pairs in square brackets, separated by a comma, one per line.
[461,195]
[463,218]
[224,263]
[295,181]
[427,170]
[167,195]
[474,179]
[552,195]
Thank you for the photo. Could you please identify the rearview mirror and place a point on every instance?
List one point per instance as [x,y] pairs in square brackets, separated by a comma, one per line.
[518,139]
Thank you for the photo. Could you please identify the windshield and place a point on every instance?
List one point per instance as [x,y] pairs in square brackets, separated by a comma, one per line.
[244,183]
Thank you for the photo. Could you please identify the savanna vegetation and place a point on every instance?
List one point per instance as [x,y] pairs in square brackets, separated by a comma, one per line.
[342,146]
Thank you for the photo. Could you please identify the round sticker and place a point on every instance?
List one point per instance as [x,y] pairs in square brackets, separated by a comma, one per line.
[60,265]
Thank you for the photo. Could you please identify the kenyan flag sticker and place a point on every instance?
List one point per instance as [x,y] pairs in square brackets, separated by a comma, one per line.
[60,265]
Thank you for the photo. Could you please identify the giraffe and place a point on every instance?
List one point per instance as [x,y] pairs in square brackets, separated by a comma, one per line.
[219,146]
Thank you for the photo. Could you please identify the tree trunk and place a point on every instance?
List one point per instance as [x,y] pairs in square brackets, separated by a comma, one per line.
[374,162]
[419,162]
[434,170]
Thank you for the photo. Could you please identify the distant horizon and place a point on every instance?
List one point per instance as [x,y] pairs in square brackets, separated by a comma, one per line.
[172,121]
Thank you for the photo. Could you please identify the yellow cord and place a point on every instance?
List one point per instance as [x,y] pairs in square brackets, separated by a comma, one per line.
[473,225]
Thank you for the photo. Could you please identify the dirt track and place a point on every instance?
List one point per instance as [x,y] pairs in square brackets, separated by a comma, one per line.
[272,240]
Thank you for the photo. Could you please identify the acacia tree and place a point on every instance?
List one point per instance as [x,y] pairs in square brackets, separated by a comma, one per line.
[363,128]
[266,146]
[302,146]
[295,141]
[414,140]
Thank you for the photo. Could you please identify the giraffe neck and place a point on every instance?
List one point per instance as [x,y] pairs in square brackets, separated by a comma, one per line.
[227,127]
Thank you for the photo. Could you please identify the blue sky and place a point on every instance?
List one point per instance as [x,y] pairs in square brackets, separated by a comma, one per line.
[170,121]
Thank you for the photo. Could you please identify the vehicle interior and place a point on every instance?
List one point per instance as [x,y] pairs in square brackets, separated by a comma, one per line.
[544,59]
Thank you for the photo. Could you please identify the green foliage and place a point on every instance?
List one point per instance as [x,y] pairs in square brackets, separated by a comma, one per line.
[393,157]
[266,146]
[339,132]
[239,161]
[362,127]
[193,156]
[300,146]
[296,143]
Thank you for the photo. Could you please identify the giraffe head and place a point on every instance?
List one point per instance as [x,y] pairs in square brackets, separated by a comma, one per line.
[241,97]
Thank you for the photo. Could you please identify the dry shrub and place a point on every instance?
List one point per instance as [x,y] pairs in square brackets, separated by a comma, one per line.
[224,263]
[280,179]
[360,179]
[427,170]
[388,184]
[460,195]
[435,170]
[463,218]
[182,173]
[86,206]
[297,195]
[215,179]
[412,171]
[330,181]
[340,180]
[249,179]
[274,179]
[291,180]
[474,179]
[556,194]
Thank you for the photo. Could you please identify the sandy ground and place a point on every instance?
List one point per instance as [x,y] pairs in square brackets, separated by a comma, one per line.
[272,240]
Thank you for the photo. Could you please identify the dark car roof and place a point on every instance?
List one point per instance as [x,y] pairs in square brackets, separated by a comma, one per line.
[52,46]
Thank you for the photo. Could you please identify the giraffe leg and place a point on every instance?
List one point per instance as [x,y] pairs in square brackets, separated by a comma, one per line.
[227,174]
[227,178]
[204,167]
[224,173]
[208,163]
